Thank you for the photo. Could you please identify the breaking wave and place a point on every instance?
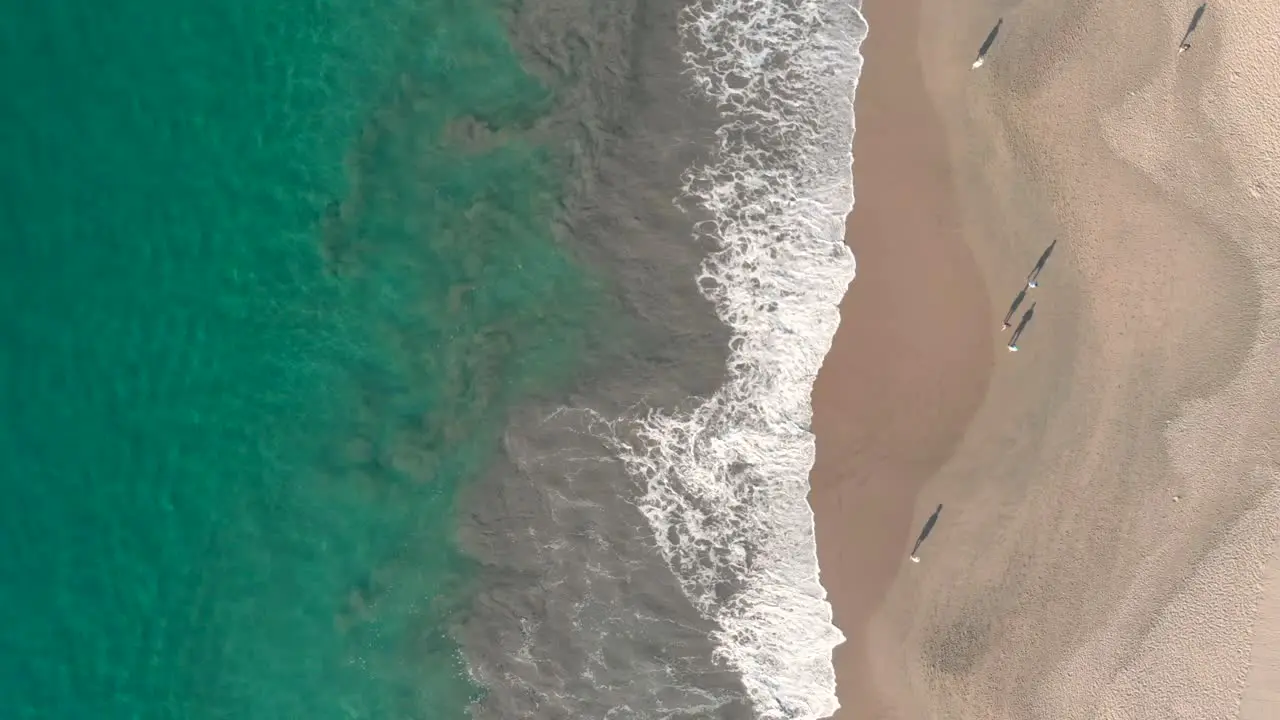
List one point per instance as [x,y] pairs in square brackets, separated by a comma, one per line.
[726,483]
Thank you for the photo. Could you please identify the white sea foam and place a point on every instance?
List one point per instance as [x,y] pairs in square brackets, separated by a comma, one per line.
[727,483]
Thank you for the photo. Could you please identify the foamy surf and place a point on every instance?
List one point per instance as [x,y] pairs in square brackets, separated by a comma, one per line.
[726,483]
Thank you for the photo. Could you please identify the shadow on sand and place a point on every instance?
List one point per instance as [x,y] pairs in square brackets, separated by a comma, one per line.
[1195,20]
[986,44]
[1022,325]
[928,528]
[1033,278]
[1017,300]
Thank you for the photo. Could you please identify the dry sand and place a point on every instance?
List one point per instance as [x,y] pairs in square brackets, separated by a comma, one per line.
[1062,580]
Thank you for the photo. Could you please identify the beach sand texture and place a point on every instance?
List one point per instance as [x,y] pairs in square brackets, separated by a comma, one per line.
[1107,544]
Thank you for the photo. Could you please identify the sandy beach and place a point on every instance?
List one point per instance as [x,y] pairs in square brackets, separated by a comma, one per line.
[1107,543]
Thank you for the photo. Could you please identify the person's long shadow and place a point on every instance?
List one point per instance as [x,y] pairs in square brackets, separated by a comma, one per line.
[986,44]
[1195,20]
[1033,278]
[928,528]
[1017,300]
[1022,325]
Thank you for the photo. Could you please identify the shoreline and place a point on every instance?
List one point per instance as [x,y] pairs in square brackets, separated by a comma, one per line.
[914,329]
[1110,492]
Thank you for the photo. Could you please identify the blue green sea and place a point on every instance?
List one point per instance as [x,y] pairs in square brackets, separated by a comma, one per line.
[266,294]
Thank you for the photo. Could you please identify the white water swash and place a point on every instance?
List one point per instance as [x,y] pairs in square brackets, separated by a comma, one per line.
[726,484]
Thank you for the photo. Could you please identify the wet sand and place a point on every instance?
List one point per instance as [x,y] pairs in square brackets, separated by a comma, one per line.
[911,360]
[1110,491]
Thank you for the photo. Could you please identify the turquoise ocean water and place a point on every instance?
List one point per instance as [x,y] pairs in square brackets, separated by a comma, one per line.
[264,301]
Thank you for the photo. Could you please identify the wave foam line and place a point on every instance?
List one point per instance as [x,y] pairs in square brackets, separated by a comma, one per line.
[726,484]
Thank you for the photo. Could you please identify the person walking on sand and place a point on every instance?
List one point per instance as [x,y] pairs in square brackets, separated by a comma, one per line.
[1022,325]
[1014,307]
[986,45]
[1033,280]
[1195,20]
[924,533]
